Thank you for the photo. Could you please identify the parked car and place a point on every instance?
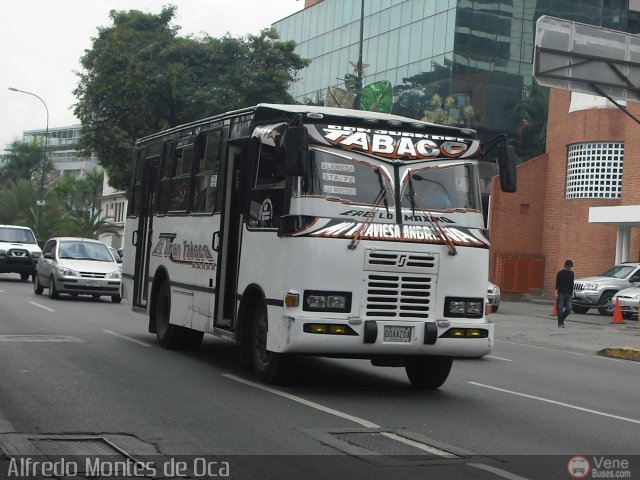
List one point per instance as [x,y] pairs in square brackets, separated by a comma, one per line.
[493,296]
[597,292]
[116,255]
[19,251]
[629,301]
[77,266]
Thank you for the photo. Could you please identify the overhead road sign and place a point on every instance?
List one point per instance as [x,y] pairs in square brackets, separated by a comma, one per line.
[588,59]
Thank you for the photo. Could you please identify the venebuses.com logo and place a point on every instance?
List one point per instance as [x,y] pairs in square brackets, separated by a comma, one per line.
[598,467]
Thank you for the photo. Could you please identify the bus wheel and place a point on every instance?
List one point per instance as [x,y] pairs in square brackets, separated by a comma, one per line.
[269,367]
[166,333]
[172,337]
[427,372]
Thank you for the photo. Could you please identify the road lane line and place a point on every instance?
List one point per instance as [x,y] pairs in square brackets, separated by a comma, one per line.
[522,344]
[42,307]
[127,338]
[499,358]
[308,403]
[555,402]
[497,471]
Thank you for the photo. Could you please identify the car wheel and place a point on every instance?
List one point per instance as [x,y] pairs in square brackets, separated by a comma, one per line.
[427,372]
[37,288]
[53,291]
[116,298]
[579,309]
[269,367]
[24,276]
[494,308]
[607,304]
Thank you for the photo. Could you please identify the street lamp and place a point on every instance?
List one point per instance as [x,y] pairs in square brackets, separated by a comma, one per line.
[40,202]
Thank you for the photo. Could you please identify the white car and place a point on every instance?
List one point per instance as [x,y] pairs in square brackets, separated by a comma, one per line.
[19,250]
[493,296]
[77,266]
[629,301]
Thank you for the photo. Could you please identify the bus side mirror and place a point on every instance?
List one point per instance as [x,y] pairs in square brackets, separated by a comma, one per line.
[296,150]
[507,168]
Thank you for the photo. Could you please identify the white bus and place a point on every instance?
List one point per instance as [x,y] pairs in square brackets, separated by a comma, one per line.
[296,230]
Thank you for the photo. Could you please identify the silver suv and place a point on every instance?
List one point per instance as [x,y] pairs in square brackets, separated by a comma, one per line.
[19,251]
[597,292]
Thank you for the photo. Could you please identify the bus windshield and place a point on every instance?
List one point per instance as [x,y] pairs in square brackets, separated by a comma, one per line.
[356,179]
[442,188]
[341,178]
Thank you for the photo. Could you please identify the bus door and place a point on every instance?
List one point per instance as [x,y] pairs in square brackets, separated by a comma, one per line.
[147,163]
[228,241]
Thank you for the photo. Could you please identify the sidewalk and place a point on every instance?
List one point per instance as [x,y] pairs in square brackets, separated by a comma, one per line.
[532,322]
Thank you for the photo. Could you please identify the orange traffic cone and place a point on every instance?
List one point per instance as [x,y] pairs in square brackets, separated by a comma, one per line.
[555,309]
[617,313]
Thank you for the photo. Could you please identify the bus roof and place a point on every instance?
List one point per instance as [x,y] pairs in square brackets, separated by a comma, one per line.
[274,112]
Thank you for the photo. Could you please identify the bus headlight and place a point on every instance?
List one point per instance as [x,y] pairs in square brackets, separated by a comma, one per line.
[463,307]
[318,301]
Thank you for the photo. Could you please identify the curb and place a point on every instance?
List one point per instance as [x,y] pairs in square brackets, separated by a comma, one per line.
[624,353]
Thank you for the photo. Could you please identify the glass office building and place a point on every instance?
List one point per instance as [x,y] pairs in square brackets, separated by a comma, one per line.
[479,52]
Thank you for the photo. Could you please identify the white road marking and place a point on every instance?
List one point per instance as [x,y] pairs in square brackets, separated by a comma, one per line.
[522,344]
[500,358]
[497,471]
[561,404]
[317,406]
[42,307]
[127,338]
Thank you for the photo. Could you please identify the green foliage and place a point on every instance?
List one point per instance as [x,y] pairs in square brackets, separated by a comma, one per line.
[23,160]
[439,110]
[530,116]
[88,225]
[140,77]
[377,97]
[413,95]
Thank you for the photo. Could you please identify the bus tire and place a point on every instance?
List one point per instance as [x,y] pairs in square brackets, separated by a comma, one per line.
[269,367]
[427,372]
[172,337]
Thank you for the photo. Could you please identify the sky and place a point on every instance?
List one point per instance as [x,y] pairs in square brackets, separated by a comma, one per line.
[41,42]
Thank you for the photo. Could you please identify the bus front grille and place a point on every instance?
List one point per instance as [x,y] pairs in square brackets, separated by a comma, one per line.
[398,296]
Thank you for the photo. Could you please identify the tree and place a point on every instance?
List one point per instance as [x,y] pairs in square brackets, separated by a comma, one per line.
[23,160]
[531,116]
[439,110]
[89,225]
[140,77]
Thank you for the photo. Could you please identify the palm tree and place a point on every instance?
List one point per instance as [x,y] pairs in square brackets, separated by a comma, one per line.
[90,225]
[531,115]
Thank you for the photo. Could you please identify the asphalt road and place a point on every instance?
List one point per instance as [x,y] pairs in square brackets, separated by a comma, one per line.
[75,368]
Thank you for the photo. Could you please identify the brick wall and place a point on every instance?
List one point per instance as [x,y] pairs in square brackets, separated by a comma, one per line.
[539,221]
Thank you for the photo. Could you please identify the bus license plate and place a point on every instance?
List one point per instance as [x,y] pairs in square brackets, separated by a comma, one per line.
[397,334]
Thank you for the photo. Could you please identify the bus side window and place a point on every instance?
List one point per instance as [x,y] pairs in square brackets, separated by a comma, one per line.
[206,179]
[135,196]
[165,180]
[181,179]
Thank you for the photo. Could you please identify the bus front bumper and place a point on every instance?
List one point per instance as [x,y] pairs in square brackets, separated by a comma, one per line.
[370,338]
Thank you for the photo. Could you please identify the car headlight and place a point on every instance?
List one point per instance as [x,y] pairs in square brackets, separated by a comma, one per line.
[317,301]
[463,307]
[35,254]
[115,274]
[637,297]
[590,286]
[67,272]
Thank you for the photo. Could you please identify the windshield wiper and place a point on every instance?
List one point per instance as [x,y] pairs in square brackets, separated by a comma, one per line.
[382,196]
[432,220]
